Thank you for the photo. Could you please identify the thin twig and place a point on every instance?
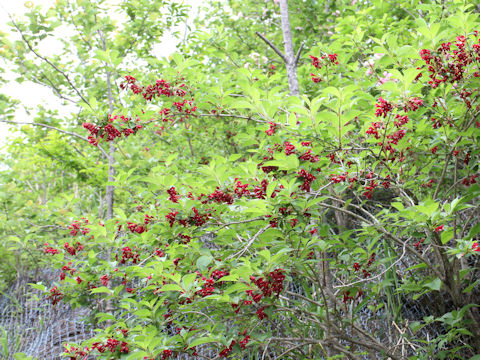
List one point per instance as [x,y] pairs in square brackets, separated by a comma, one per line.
[378,275]
[250,242]
[291,349]
[304,298]
[48,61]
[241,222]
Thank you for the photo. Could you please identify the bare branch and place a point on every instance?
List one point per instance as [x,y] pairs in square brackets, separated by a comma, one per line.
[250,242]
[290,350]
[56,129]
[241,222]
[297,57]
[378,275]
[274,48]
[48,61]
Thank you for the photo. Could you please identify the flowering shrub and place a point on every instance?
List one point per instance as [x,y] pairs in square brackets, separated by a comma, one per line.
[248,220]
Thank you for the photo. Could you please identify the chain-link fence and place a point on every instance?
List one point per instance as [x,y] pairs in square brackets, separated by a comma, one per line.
[33,326]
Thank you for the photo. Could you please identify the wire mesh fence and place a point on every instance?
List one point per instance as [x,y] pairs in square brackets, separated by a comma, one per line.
[35,327]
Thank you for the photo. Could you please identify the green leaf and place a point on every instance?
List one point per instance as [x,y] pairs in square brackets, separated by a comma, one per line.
[121,214]
[22,356]
[38,286]
[435,284]
[416,325]
[398,205]
[446,235]
[101,289]
[331,91]
[270,188]
[201,341]
[265,254]
[171,287]
[188,280]
[428,207]
[203,262]
[236,288]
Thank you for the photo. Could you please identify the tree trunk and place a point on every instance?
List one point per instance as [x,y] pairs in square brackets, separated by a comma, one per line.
[290,61]
[111,160]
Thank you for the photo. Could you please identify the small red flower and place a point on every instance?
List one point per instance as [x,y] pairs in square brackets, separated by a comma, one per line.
[261,314]
[439,228]
[104,280]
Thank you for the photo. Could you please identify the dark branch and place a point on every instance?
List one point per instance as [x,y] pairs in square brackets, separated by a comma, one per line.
[297,57]
[274,48]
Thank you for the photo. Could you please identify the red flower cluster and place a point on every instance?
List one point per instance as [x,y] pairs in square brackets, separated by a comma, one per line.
[136,228]
[67,268]
[469,180]
[72,249]
[49,250]
[373,130]
[324,60]
[171,217]
[261,313]
[109,132]
[185,238]
[383,108]
[289,148]
[243,343]
[272,129]
[329,59]
[394,138]
[418,243]
[400,120]
[113,345]
[196,219]
[173,195]
[316,79]
[412,104]
[55,295]
[166,354]
[128,254]
[226,351]
[75,352]
[429,184]
[273,284]
[369,189]
[308,156]
[258,192]
[307,179]
[221,197]
[76,227]
[347,297]
[163,88]
[448,64]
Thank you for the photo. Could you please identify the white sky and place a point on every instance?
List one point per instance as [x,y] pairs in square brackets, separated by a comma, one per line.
[32,94]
